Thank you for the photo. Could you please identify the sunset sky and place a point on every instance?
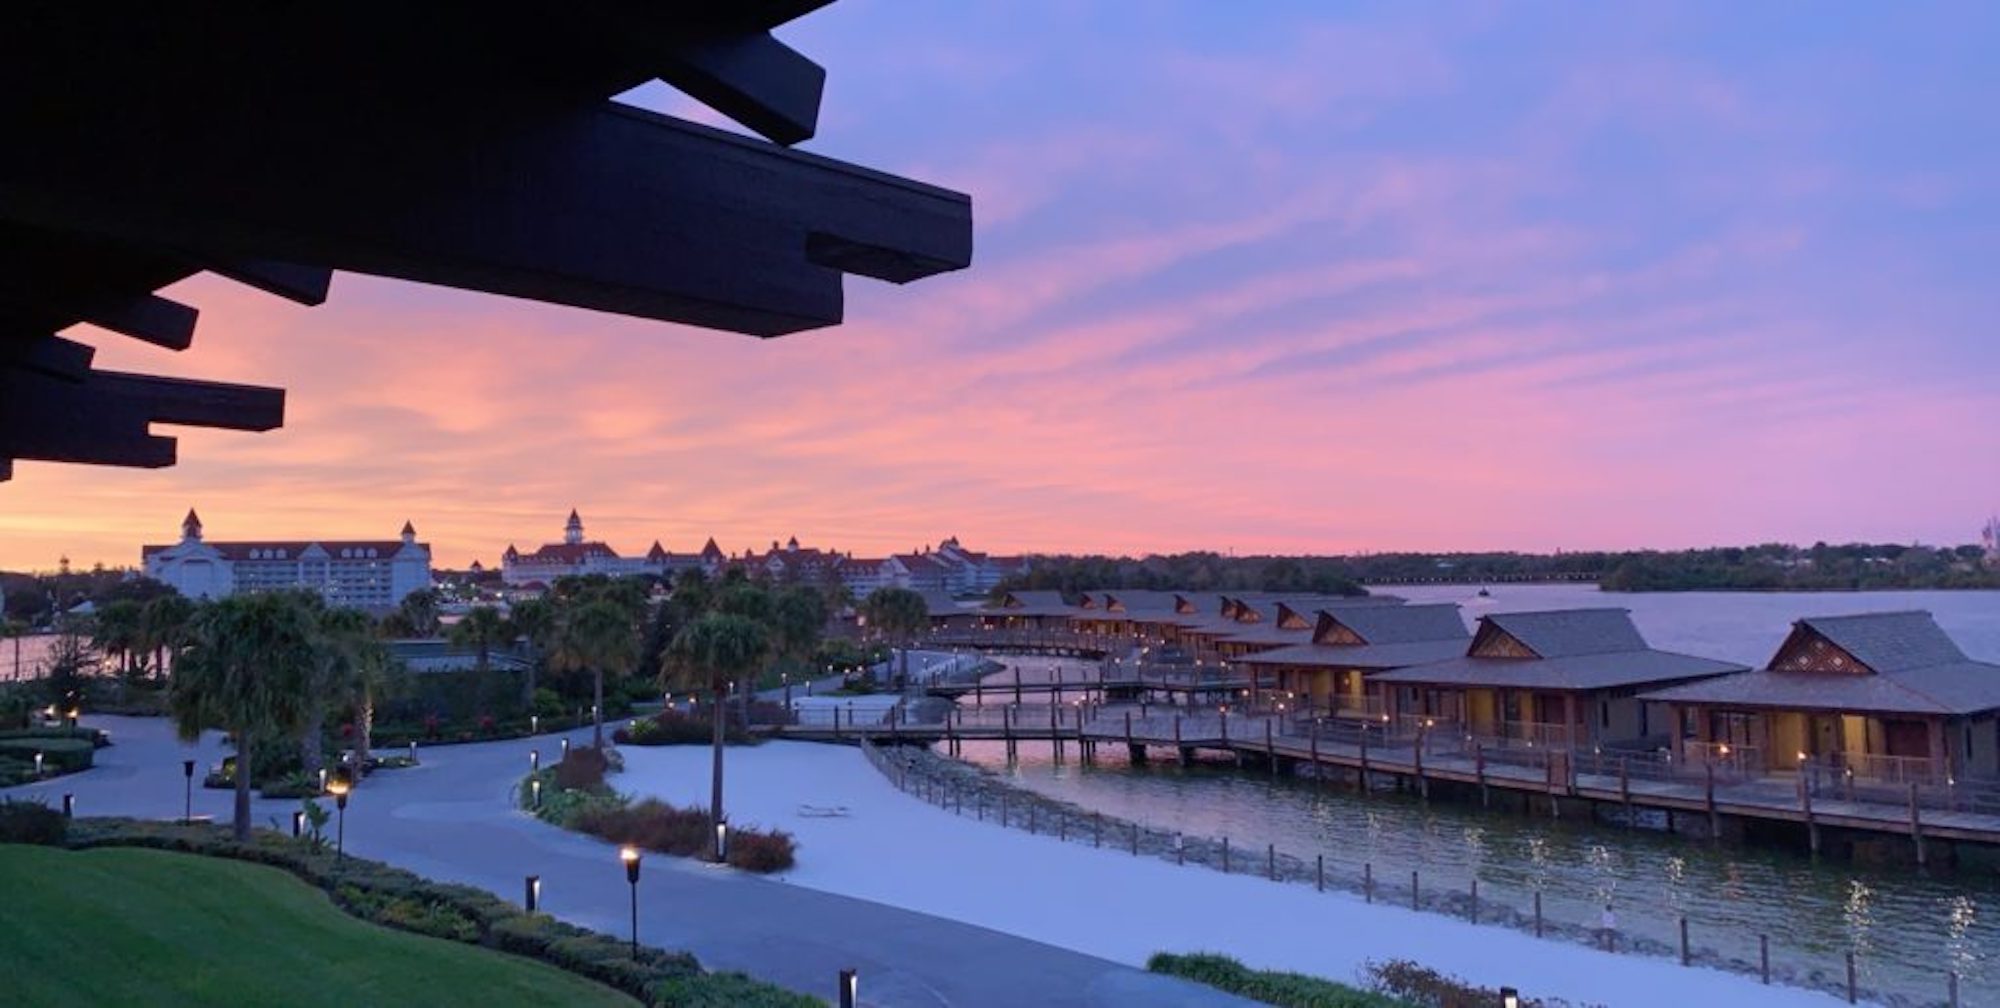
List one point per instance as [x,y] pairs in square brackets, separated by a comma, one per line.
[1292,277]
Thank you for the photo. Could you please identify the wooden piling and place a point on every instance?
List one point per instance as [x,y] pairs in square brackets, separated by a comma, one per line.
[1684,940]
[1271,861]
[1916,825]
[1479,771]
[1764,958]
[1473,914]
[1270,747]
[1805,803]
[1851,991]
[1225,855]
[1319,872]
[1708,799]
[1319,772]
[1538,913]
[1625,788]
[1368,881]
[1415,902]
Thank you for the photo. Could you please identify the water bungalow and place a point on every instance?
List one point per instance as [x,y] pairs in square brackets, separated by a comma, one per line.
[1029,610]
[1348,644]
[1883,697]
[1563,678]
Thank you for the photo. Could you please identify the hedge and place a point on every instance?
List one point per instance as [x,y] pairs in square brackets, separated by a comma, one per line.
[396,898]
[1290,990]
[59,755]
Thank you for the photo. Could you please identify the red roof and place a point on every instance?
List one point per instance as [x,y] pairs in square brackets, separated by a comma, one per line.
[566,553]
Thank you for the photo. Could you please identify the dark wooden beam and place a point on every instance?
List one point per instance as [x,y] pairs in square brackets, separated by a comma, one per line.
[198,403]
[306,285]
[105,418]
[614,208]
[754,79]
[150,318]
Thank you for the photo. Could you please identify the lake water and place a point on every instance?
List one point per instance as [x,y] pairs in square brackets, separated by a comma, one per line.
[1907,929]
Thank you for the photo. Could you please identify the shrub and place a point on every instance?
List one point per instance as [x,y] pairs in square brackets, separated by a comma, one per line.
[583,770]
[1291,990]
[1425,986]
[292,785]
[672,727]
[59,755]
[727,990]
[95,736]
[761,852]
[31,822]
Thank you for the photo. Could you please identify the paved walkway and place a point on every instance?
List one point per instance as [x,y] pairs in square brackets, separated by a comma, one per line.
[452,819]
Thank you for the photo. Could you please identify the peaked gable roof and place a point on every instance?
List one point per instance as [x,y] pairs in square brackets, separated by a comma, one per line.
[1561,633]
[1885,641]
[1401,624]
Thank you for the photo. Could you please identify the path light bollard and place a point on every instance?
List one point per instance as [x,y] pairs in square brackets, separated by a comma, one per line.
[340,787]
[69,805]
[1684,940]
[850,989]
[534,761]
[38,763]
[1764,957]
[187,774]
[298,824]
[531,893]
[413,750]
[630,855]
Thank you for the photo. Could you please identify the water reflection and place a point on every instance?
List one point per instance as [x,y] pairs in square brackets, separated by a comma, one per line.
[1906,928]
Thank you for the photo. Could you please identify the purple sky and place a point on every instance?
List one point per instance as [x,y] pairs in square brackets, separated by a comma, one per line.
[1270,276]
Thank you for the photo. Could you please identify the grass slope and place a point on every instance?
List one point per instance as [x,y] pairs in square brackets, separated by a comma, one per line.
[112,926]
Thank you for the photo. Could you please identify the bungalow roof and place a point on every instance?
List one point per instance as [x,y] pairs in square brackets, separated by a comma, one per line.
[1574,672]
[1359,656]
[1397,624]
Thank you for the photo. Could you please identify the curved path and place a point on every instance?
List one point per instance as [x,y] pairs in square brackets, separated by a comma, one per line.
[452,819]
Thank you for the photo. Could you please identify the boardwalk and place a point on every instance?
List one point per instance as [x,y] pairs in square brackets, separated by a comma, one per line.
[1711,798]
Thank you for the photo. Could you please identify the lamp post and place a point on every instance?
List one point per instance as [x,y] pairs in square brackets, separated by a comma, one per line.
[535,793]
[531,897]
[339,788]
[630,855]
[187,802]
[534,760]
[38,763]
[850,988]
[722,841]
[534,724]
[565,748]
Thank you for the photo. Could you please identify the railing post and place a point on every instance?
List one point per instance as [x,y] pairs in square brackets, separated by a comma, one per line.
[1764,958]
[1270,747]
[1474,915]
[1368,881]
[1415,902]
[1714,818]
[1271,861]
[1319,872]
[1851,992]
[1684,940]
[1538,913]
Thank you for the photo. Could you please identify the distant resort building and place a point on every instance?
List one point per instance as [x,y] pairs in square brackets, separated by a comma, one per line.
[949,569]
[1989,537]
[576,556]
[363,574]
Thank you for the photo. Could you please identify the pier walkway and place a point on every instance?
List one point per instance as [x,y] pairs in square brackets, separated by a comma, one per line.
[1714,798]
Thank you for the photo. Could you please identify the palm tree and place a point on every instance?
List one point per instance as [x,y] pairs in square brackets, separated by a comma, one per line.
[165,623]
[343,641]
[244,671]
[712,651]
[117,630]
[535,621]
[898,615]
[480,629]
[599,637]
[798,618]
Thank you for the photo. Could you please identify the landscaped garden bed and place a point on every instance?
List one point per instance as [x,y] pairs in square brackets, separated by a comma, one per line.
[399,899]
[573,794]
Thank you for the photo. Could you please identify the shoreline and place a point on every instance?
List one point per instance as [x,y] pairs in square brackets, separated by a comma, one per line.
[894,848]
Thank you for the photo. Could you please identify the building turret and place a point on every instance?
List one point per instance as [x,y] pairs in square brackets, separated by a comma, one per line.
[409,534]
[573,530]
[191,527]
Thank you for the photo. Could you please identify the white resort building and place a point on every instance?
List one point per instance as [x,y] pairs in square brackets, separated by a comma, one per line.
[366,574]
[577,556]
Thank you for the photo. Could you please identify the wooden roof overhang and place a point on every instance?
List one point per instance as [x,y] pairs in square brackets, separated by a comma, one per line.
[465,145]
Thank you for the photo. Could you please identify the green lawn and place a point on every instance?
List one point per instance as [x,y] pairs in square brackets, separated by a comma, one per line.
[126,927]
